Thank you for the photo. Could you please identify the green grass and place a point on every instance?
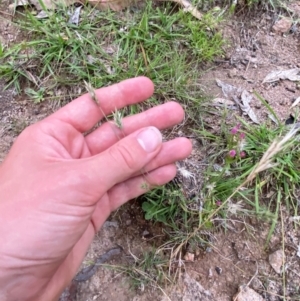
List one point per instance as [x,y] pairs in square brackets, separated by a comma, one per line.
[164,44]
[227,193]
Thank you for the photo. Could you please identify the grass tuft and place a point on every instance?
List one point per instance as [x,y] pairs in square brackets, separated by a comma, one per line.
[107,47]
[252,171]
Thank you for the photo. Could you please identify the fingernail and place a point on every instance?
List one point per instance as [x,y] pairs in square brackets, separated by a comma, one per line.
[149,139]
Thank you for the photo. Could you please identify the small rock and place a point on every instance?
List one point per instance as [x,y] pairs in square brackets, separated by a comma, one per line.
[256,284]
[276,260]
[251,59]
[267,17]
[283,25]
[194,290]
[111,224]
[145,233]
[247,294]
[282,102]
[218,270]
[232,73]
[189,257]
[208,250]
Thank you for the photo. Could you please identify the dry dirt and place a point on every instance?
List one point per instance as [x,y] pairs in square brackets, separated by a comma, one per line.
[238,257]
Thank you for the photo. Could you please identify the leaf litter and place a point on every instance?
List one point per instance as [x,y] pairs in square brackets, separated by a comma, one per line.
[290,74]
[241,97]
[74,16]
[115,5]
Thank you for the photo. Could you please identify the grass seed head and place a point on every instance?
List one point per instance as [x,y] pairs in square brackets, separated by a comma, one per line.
[186,173]
[92,92]
[118,116]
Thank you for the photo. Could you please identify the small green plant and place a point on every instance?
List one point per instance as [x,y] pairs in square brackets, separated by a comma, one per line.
[36,96]
[168,205]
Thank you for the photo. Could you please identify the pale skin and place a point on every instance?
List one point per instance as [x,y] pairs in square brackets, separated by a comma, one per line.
[59,186]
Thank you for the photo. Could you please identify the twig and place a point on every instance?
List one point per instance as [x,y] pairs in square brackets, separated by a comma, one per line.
[247,285]
[256,272]
[283,258]
[5,13]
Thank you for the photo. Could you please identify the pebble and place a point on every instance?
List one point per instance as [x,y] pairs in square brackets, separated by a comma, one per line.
[111,224]
[189,257]
[283,25]
[256,284]
[276,260]
[218,270]
[145,233]
[247,294]
[232,73]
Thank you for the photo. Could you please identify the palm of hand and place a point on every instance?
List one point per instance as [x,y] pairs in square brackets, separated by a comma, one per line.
[68,184]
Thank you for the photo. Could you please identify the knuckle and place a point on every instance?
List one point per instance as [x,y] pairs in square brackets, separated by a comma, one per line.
[122,155]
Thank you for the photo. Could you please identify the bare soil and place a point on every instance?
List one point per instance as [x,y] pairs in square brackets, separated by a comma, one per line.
[238,257]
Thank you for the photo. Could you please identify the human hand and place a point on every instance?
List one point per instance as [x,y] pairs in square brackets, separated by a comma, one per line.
[58,186]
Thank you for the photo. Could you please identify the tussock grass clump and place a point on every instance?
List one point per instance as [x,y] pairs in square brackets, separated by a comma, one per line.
[252,170]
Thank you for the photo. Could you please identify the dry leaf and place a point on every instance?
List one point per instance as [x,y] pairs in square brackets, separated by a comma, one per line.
[246,99]
[290,74]
[115,5]
[49,4]
[276,260]
[18,3]
[228,90]
[241,97]
[118,5]
[74,17]
[42,15]
[188,7]
[295,102]
[271,116]
[223,101]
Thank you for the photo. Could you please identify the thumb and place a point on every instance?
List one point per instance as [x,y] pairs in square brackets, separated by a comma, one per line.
[123,159]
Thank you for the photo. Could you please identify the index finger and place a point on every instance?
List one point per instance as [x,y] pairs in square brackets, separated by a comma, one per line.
[83,113]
